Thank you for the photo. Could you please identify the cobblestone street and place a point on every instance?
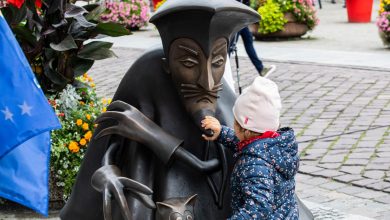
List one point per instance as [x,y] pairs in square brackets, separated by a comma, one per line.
[341,116]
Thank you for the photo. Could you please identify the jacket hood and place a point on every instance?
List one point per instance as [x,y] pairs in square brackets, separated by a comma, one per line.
[281,152]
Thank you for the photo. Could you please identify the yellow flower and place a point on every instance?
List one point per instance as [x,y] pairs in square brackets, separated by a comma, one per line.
[88,116]
[73,147]
[79,122]
[88,135]
[92,85]
[82,103]
[104,100]
[109,101]
[91,104]
[85,127]
[85,75]
[104,109]
[83,142]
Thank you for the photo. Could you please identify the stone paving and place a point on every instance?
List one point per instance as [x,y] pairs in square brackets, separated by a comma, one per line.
[341,116]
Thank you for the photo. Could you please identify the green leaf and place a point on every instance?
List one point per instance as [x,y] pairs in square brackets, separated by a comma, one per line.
[91,7]
[94,15]
[74,10]
[111,29]
[13,15]
[67,44]
[53,75]
[83,22]
[23,33]
[81,66]
[96,50]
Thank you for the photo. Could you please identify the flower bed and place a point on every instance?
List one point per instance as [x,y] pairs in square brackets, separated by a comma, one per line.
[383,22]
[132,14]
[77,108]
[273,13]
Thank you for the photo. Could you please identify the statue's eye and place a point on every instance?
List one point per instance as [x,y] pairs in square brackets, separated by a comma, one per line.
[189,62]
[218,61]
[189,217]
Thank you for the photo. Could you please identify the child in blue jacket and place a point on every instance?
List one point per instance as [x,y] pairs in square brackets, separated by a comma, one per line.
[262,180]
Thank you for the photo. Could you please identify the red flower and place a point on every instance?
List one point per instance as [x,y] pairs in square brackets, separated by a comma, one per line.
[16,3]
[38,3]
[19,3]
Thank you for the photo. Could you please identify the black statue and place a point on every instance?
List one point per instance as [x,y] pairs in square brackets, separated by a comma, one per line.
[148,145]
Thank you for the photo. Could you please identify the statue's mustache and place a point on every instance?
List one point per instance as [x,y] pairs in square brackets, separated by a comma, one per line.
[193,90]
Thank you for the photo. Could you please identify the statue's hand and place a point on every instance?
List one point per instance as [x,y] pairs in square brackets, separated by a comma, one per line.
[108,181]
[132,123]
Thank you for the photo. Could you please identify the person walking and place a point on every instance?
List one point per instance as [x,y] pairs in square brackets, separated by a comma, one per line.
[247,38]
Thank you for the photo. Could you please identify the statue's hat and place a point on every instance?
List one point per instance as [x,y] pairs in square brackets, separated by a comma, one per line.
[201,20]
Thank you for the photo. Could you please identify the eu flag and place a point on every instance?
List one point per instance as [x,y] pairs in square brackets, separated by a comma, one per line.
[26,119]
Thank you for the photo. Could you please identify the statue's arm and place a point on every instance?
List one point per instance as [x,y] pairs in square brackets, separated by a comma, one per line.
[134,125]
[109,181]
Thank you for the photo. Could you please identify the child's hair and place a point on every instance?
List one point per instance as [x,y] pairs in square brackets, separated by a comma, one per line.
[247,133]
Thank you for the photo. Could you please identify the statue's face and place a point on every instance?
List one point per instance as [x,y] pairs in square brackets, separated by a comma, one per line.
[197,75]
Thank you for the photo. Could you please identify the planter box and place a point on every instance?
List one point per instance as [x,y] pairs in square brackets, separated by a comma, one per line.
[292,29]
[385,38]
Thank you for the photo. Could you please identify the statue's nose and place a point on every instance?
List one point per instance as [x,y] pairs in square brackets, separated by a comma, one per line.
[206,79]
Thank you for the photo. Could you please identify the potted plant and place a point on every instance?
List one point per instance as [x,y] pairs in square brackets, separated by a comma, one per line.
[132,14]
[55,37]
[383,22]
[284,18]
[359,10]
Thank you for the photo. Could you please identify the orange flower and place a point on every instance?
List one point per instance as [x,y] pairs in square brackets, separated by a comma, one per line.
[82,103]
[88,116]
[83,142]
[88,135]
[92,85]
[73,147]
[79,122]
[85,127]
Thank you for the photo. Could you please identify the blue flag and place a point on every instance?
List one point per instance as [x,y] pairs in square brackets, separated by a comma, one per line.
[26,119]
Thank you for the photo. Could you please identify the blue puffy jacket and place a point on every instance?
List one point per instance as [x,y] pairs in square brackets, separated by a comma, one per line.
[262,180]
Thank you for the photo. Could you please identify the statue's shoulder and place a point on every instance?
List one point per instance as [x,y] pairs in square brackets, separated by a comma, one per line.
[149,62]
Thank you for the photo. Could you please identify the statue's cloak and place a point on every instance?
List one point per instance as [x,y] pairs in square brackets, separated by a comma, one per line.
[150,89]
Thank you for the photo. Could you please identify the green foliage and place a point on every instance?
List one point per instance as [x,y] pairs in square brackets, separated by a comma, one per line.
[77,108]
[271,10]
[52,38]
[272,18]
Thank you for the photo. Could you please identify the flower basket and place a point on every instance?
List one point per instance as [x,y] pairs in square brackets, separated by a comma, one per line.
[385,38]
[359,11]
[291,29]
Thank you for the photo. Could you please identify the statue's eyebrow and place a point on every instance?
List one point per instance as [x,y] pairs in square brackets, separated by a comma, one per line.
[189,50]
[220,47]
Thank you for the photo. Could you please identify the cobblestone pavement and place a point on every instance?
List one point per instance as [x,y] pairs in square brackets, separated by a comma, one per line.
[341,116]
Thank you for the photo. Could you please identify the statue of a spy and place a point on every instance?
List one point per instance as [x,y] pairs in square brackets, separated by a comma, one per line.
[148,147]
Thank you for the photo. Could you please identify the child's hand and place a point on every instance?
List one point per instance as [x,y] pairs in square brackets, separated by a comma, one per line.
[211,123]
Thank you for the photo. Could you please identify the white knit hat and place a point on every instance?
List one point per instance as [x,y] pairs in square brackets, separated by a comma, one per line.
[258,108]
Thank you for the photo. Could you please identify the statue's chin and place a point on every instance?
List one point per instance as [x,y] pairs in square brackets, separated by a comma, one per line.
[198,116]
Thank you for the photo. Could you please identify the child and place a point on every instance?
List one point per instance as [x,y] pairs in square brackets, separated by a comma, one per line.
[262,180]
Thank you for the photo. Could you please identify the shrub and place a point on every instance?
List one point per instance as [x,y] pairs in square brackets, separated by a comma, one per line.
[272,18]
[132,14]
[272,13]
[77,108]
[52,35]
[383,21]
